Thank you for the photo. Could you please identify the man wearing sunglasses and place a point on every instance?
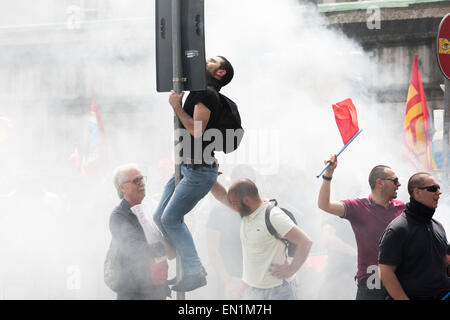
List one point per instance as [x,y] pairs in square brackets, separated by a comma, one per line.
[414,255]
[368,218]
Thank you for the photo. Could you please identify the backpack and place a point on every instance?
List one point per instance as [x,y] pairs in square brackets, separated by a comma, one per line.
[110,267]
[291,247]
[229,124]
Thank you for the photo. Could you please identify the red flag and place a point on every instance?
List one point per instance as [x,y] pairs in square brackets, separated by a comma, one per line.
[346,119]
[98,118]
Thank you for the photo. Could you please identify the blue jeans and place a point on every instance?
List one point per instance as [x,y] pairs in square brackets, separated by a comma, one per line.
[285,291]
[175,203]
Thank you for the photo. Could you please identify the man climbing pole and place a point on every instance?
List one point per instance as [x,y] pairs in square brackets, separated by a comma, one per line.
[202,111]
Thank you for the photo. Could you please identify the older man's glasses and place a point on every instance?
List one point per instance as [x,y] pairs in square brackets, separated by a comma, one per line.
[394,180]
[137,181]
[432,188]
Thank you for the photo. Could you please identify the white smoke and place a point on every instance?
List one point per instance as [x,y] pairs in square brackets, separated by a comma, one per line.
[289,70]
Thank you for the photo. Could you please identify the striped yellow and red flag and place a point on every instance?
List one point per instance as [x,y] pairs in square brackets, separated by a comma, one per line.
[417,129]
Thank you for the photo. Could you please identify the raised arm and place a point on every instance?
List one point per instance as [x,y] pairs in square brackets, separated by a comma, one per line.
[220,193]
[196,125]
[324,203]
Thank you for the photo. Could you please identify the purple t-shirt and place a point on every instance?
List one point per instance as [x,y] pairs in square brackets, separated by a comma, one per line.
[368,221]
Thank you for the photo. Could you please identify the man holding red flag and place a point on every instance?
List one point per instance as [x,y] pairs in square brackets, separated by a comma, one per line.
[368,216]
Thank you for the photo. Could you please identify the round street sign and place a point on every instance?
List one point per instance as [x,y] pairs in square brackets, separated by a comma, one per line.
[443,46]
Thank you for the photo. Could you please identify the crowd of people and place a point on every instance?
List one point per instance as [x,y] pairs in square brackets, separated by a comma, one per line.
[401,251]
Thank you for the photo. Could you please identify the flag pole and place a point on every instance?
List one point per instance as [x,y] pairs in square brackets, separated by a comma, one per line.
[340,151]
[445,140]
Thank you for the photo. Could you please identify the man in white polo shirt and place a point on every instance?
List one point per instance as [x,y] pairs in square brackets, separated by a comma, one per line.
[268,272]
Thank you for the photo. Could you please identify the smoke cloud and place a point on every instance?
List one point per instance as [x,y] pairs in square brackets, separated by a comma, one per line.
[289,70]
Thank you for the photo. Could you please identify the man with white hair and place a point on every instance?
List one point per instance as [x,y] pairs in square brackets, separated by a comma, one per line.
[141,267]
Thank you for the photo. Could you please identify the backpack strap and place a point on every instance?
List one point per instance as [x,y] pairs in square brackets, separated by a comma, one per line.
[269,225]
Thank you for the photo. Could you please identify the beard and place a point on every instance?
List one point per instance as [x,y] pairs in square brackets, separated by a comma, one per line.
[210,78]
[211,81]
[245,210]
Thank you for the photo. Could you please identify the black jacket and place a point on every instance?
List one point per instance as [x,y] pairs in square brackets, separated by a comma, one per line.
[133,270]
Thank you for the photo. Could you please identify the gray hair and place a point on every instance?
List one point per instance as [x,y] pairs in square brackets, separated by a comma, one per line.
[118,176]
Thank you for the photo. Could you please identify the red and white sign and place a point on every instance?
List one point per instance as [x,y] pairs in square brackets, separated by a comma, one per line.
[443,46]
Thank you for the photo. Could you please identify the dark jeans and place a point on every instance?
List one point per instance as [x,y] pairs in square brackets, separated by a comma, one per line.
[364,293]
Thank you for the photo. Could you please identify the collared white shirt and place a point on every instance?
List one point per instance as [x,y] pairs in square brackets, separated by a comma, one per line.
[260,249]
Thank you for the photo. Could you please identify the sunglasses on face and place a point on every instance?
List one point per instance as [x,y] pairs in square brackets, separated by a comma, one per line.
[138,180]
[394,180]
[432,188]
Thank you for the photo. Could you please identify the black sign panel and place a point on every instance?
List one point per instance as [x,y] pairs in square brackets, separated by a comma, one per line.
[192,45]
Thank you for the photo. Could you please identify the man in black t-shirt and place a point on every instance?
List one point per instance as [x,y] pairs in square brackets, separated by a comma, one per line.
[199,169]
[414,257]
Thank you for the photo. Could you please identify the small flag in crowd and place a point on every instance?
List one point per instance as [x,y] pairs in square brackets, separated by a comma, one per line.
[96,139]
[92,159]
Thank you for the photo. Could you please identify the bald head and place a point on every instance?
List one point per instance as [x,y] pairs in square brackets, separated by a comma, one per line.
[244,196]
[424,188]
[378,172]
[417,180]
[245,188]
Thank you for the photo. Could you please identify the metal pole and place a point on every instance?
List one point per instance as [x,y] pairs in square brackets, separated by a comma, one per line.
[177,87]
[445,140]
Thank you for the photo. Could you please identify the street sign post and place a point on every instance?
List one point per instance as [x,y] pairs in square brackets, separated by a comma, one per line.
[180,61]
[190,31]
[443,57]
[443,46]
